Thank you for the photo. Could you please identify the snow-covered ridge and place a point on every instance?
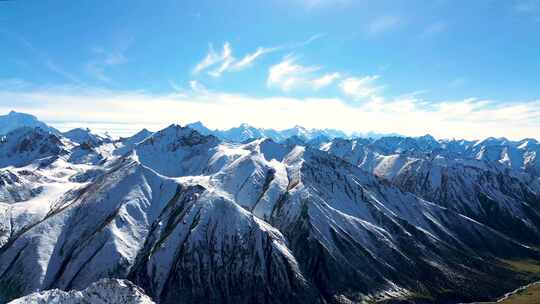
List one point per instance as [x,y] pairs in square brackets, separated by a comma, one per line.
[189,217]
[14,120]
[522,154]
[246,132]
[517,155]
[106,291]
[81,136]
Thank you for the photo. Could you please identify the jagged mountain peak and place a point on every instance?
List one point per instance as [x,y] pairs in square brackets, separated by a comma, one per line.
[125,145]
[85,135]
[196,125]
[201,128]
[491,141]
[176,150]
[138,137]
[143,132]
[245,132]
[299,128]
[14,120]
[26,144]
[427,137]
[176,132]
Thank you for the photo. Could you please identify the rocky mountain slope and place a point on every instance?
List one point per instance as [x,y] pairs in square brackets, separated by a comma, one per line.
[190,218]
[456,176]
[518,155]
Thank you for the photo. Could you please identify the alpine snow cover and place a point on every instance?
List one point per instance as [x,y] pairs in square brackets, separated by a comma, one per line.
[193,215]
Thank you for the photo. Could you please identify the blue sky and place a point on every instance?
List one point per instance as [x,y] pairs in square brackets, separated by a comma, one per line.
[450,68]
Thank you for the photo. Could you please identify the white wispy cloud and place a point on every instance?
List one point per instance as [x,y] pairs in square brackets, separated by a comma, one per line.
[51,65]
[288,75]
[308,41]
[121,111]
[325,80]
[217,63]
[248,59]
[212,58]
[97,71]
[103,60]
[361,88]
[223,61]
[382,24]
[197,87]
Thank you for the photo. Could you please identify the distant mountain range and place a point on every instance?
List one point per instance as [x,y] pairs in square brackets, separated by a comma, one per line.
[248,215]
[246,132]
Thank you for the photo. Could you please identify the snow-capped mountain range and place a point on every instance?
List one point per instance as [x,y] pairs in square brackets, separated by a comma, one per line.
[515,154]
[189,215]
[245,132]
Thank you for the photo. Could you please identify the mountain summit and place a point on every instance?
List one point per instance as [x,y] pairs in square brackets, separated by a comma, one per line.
[14,120]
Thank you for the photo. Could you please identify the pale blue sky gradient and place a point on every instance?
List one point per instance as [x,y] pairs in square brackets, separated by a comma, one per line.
[468,65]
